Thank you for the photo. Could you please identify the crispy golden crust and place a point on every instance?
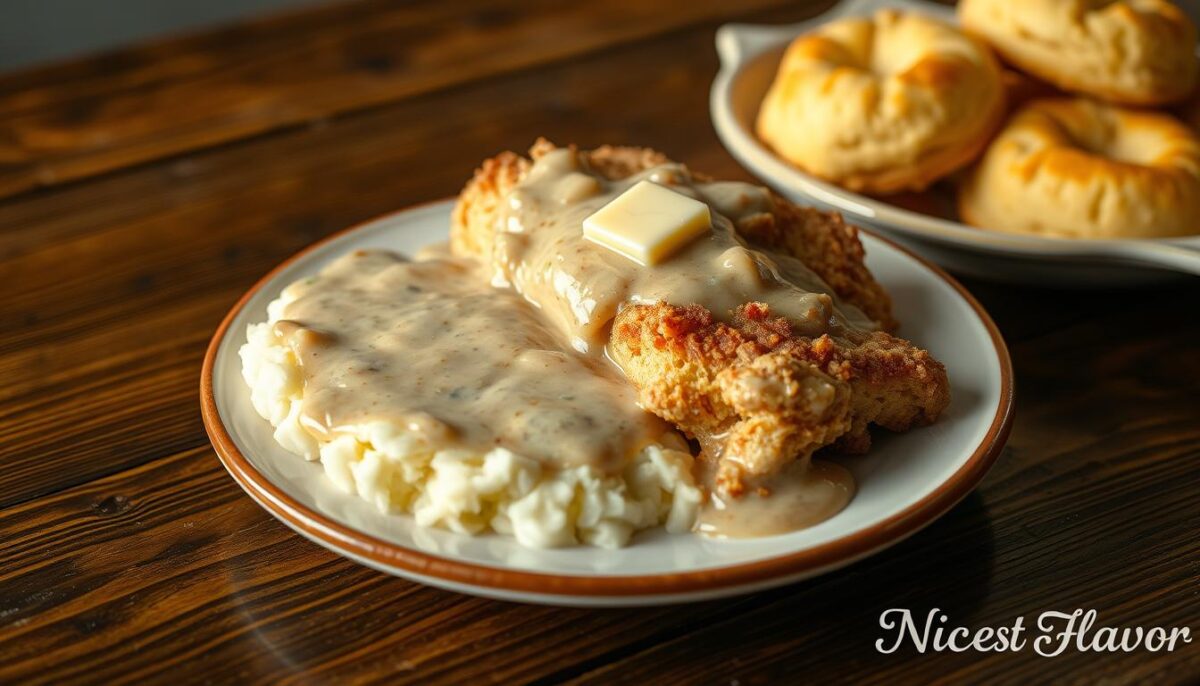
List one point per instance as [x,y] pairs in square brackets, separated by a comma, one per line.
[753,409]
[829,246]
[823,241]
[809,393]
[473,220]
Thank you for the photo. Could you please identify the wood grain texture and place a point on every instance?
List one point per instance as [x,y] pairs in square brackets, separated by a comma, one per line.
[128,555]
[170,569]
[143,104]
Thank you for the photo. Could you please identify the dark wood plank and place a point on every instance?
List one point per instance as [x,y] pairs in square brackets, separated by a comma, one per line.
[158,254]
[65,123]
[169,571]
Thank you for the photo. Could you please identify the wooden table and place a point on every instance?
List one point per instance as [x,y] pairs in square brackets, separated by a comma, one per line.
[144,190]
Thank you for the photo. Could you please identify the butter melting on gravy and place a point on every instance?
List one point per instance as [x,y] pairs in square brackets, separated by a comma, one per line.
[540,252]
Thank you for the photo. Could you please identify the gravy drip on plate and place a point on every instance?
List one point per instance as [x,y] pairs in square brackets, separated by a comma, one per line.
[540,251]
[431,346]
[803,495]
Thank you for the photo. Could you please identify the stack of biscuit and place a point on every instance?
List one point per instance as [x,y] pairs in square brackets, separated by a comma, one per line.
[1081,138]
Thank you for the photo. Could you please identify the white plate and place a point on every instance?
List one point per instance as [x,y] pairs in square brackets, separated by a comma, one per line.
[749,57]
[906,481]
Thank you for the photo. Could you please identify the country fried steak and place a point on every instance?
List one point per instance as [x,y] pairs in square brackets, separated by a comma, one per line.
[757,394]
[759,397]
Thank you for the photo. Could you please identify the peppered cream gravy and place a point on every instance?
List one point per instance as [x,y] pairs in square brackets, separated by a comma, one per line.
[804,494]
[540,252]
[430,345]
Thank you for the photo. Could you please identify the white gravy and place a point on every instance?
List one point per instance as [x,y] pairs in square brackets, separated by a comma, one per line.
[540,252]
[801,496]
[430,345]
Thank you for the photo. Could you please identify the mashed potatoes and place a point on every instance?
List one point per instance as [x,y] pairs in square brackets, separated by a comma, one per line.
[465,490]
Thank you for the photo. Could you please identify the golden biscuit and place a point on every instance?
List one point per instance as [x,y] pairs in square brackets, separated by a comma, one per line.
[882,104]
[1075,168]
[1136,52]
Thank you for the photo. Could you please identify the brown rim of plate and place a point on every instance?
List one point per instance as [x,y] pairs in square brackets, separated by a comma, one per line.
[384,554]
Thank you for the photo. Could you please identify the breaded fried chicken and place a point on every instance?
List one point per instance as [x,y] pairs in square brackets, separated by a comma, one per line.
[765,396]
[753,391]
[752,407]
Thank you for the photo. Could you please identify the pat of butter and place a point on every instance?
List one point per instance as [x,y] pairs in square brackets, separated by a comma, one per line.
[648,223]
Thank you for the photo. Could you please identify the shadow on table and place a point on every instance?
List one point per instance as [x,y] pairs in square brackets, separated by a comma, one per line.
[947,566]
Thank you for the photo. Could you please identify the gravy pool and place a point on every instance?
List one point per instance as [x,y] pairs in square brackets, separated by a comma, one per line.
[429,345]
